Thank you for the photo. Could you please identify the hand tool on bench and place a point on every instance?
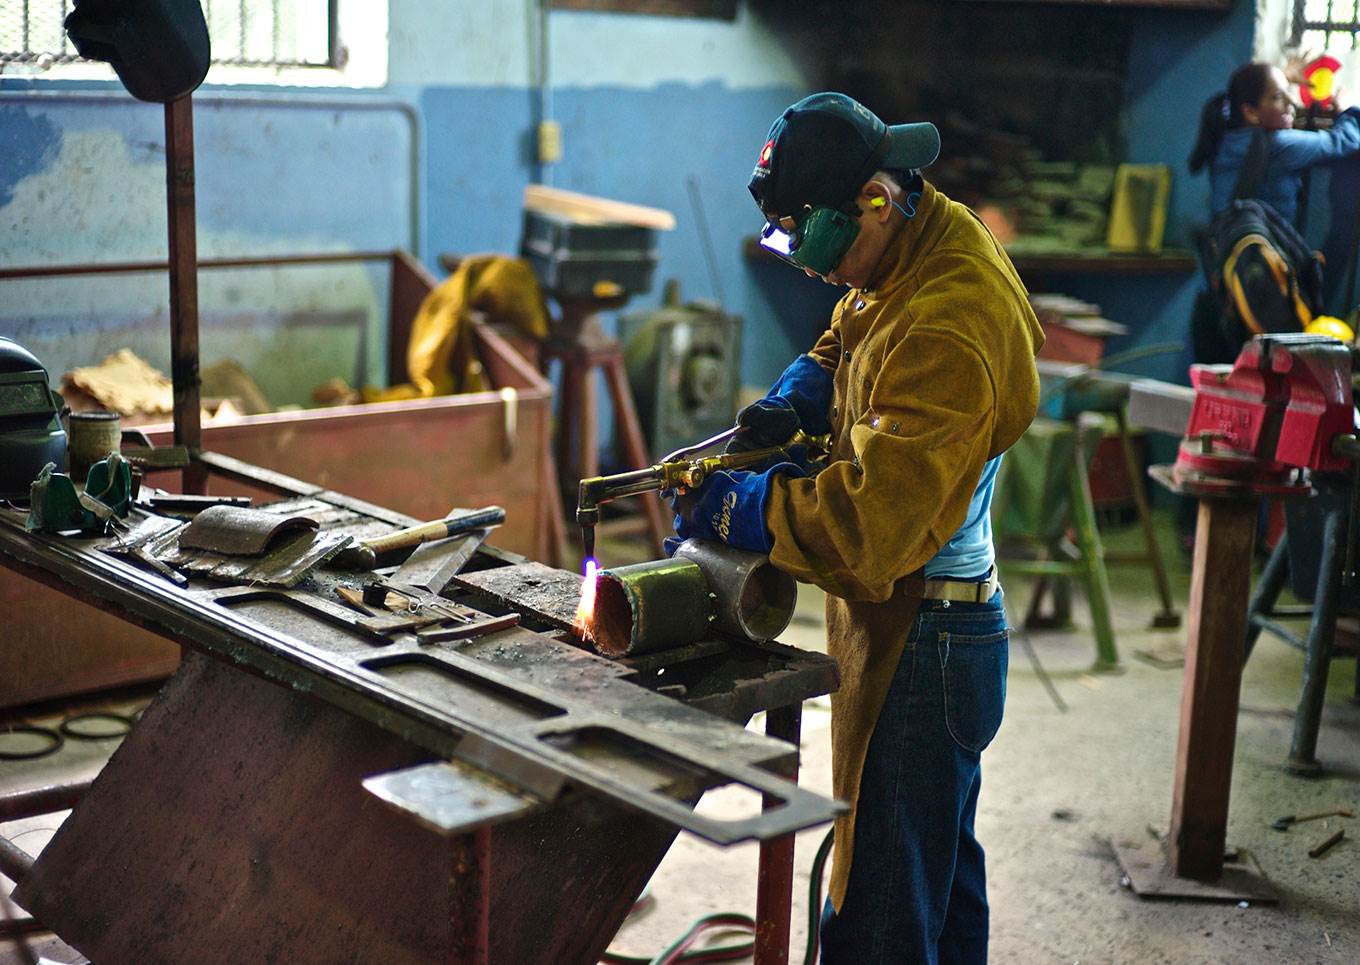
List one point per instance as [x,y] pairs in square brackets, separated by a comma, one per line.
[365,555]
[133,546]
[188,502]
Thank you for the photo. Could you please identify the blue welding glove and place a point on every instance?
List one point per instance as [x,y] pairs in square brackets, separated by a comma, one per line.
[800,398]
[729,508]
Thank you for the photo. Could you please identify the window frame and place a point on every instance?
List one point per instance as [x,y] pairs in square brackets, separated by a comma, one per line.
[356,55]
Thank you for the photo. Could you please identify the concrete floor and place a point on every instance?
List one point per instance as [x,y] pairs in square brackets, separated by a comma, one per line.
[1058,786]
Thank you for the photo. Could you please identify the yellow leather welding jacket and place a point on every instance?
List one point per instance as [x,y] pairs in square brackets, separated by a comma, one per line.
[934,375]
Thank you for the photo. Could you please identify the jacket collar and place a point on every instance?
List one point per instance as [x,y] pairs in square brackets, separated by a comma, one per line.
[904,252]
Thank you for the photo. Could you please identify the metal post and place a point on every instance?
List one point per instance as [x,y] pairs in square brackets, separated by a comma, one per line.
[774,887]
[471,926]
[1318,655]
[1266,593]
[183,246]
[1216,631]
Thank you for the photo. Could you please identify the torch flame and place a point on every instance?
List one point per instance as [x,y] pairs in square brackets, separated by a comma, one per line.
[585,610]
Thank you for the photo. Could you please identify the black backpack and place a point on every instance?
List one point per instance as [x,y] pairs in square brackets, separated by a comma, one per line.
[1261,272]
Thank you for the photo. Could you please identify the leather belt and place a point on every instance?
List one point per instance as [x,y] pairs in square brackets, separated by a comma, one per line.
[961,592]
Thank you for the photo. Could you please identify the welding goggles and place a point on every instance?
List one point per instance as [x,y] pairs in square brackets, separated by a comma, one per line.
[815,240]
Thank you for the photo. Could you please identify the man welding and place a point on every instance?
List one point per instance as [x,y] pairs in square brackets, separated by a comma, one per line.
[924,378]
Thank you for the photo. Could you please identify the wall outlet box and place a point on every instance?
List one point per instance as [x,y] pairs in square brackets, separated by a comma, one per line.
[549,142]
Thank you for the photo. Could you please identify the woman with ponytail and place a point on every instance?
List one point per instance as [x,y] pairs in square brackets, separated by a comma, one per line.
[1258,98]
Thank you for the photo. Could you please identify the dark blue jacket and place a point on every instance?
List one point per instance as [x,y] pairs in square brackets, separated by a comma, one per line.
[1291,153]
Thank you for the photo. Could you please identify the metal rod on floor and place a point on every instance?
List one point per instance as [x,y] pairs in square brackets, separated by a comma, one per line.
[42,800]
[15,862]
[1040,672]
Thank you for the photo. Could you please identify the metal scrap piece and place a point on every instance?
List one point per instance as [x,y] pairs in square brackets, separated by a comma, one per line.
[450,797]
[468,631]
[550,595]
[133,545]
[285,565]
[240,532]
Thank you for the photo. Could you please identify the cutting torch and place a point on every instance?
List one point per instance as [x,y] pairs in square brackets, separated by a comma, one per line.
[681,470]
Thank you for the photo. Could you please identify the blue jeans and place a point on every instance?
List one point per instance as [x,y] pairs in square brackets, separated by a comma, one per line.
[918,891]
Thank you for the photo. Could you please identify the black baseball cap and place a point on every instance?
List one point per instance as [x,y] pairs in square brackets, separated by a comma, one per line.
[821,150]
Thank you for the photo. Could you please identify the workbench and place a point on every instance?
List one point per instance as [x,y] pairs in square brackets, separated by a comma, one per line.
[304,789]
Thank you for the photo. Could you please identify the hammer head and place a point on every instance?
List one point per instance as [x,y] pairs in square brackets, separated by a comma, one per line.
[1282,824]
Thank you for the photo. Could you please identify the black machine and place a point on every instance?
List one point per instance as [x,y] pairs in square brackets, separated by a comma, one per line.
[30,420]
[31,434]
[683,368]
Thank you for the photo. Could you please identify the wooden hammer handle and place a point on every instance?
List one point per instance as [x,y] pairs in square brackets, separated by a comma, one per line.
[439,529]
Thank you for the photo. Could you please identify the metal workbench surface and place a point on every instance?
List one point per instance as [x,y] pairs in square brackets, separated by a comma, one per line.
[520,705]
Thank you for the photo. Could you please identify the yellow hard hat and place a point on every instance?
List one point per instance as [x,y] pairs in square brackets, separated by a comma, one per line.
[1333,326]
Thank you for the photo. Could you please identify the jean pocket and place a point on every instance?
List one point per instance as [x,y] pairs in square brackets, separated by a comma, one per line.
[974,677]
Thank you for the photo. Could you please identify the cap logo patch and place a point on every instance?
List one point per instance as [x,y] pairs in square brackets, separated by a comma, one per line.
[765,153]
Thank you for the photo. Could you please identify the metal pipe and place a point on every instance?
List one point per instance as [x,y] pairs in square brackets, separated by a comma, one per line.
[705,587]
[148,267]
[41,800]
[650,606]
[15,862]
[183,248]
[752,599]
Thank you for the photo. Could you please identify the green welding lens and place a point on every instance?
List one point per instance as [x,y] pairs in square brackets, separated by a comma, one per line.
[817,243]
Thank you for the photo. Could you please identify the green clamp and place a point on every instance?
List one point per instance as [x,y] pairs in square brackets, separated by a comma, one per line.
[56,506]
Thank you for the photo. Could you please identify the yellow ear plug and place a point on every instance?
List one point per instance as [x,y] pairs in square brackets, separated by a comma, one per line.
[878,202]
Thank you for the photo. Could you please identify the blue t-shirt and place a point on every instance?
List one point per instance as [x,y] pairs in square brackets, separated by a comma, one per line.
[1291,153]
[969,552]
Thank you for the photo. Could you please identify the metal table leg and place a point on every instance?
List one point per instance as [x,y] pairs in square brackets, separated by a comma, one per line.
[1267,591]
[1167,617]
[774,889]
[1318,656]
[1096,580]
[471,925]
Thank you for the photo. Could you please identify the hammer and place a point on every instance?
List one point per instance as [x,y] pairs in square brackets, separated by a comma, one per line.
[1284,823]
[365,555]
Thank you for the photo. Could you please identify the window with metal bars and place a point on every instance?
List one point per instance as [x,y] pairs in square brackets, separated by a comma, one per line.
[244,33]
[1325,25]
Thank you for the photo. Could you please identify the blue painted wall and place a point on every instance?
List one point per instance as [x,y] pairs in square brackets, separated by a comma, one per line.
[645,103]
[274,176]
[285,170]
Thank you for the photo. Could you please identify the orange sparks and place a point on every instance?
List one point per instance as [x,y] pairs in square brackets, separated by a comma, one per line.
[585,610]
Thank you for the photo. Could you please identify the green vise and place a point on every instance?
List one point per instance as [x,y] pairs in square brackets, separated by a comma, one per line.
[56,506]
